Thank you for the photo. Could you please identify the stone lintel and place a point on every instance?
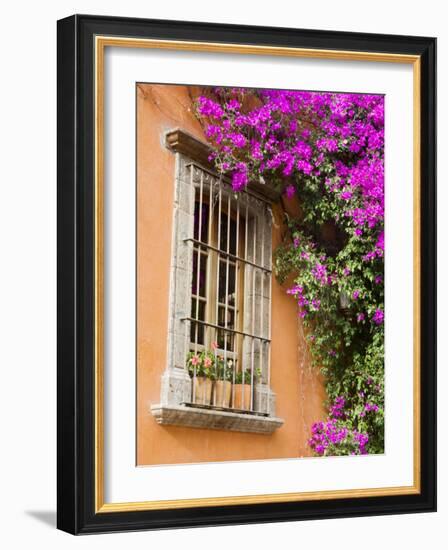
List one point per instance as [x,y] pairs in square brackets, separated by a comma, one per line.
[181,415]
[182,142]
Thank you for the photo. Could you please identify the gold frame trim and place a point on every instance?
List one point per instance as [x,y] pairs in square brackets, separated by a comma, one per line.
[101,42]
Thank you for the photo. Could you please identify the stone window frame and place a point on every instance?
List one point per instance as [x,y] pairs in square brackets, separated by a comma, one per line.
[191,159]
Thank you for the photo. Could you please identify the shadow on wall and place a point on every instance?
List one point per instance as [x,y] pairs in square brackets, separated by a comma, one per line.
[47,517]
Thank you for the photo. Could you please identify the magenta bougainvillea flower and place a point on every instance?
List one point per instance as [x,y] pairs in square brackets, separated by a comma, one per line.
[290,191]
[378,317]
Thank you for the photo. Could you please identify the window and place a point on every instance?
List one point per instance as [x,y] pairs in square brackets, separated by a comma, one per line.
[220,302]
[230,283]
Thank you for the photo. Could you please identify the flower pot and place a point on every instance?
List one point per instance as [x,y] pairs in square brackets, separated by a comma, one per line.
[241,396]
[223,391]
[202,390]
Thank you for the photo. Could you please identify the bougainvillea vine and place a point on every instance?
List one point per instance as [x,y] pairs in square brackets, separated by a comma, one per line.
[327,151]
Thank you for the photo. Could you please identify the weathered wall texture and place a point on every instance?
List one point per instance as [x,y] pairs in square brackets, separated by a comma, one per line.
[299,389]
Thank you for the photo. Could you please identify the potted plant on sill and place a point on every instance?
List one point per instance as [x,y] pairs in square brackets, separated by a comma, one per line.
[223,382]
[201,370]
[242,388]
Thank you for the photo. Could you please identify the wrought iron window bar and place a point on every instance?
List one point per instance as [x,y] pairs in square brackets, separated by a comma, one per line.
[224,409]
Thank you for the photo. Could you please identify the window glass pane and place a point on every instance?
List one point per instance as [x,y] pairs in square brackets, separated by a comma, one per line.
[197,330]
[223,236]
[201,215]
[200,288]
[230,284]
[222,334]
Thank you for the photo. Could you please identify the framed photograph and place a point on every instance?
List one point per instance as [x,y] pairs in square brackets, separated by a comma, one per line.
[246,274]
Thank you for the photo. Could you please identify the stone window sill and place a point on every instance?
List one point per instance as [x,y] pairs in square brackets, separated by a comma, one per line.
[196,417]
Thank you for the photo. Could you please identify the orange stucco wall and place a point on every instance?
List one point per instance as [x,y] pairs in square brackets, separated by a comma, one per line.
[298,386]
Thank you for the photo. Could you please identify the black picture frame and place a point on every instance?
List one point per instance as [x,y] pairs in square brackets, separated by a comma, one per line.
[76,254]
